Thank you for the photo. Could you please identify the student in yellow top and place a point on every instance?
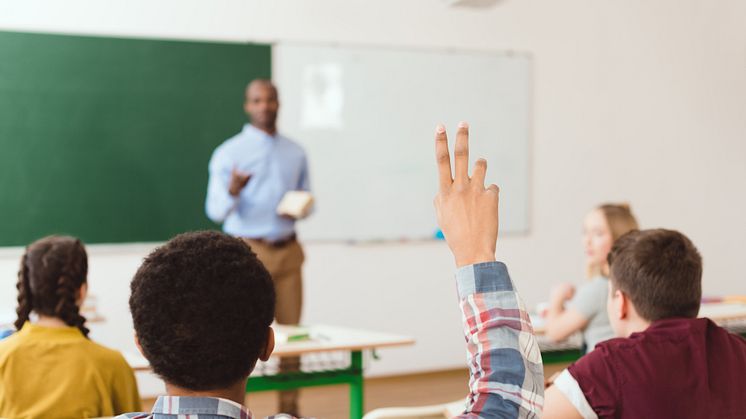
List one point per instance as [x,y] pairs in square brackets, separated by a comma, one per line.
[584,309]
[49,368]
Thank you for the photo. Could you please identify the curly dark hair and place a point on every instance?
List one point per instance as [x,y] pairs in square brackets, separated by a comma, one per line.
[202,305]
[52,271]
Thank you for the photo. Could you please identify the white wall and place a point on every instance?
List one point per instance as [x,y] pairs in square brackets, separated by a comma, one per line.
[637,100]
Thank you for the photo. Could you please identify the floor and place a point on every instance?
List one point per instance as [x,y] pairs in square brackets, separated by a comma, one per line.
[331,402]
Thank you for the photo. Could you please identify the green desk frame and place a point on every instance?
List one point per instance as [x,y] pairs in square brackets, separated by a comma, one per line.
[352,375]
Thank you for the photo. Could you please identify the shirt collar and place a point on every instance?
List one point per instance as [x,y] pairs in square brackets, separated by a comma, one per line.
[59,332]
[250,129]
[182,405]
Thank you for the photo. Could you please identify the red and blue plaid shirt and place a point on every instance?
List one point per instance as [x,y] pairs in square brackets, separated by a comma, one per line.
[507,377]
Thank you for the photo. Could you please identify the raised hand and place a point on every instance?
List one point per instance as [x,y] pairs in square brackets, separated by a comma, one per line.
[467,211]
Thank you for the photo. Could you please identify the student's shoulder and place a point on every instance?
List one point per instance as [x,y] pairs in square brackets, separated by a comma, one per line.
[602,361]
[105,356]
[9,345]
[721,336]
[597,284]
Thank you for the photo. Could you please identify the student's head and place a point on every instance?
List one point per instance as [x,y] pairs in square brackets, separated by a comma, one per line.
[601,228]
[655,274]
[202,305]
[262,103]
[52,281]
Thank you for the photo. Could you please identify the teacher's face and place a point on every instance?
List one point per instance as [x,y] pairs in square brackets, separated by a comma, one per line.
[261,105]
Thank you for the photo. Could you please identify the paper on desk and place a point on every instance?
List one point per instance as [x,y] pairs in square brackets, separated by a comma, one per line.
[287,333]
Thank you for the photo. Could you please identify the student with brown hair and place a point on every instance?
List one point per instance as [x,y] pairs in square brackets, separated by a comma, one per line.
[666,363]
[584,309]
[50,368]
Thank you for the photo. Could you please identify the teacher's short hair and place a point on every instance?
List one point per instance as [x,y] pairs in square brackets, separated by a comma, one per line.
[201,306]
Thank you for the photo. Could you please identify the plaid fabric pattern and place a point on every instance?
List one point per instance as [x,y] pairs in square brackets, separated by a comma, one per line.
[173,407]
[507,377]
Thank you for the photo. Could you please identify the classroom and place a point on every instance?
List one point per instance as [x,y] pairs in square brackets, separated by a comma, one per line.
[120,121]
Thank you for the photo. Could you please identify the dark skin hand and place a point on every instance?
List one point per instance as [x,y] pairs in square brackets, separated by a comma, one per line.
[238,181]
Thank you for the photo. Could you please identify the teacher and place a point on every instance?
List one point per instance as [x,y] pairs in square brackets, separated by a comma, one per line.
[249,175]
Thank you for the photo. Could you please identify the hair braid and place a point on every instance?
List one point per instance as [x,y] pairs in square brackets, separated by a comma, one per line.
[24,295]
[53,270]
[66,309]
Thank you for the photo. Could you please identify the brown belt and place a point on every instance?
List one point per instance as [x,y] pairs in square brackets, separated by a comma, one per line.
[275,243]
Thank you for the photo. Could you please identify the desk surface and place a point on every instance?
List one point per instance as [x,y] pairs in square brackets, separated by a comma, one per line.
[717,312]
[326,338]
[323,338]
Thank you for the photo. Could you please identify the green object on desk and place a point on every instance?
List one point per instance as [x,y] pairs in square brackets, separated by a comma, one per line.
[561,356]
[353,375]
[109,139]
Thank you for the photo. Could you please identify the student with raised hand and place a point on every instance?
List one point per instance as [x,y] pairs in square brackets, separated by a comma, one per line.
[49,368]
[584,309]
[666,363]
[202,306]
[507,378]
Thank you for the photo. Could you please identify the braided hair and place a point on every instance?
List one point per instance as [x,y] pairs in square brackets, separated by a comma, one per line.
[52,271]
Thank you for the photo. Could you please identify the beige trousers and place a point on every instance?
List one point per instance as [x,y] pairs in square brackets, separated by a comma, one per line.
[284,264]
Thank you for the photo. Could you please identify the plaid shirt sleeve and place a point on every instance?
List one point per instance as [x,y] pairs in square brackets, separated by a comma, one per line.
[507,377]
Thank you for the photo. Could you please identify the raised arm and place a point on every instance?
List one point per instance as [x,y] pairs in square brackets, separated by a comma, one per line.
[507,379]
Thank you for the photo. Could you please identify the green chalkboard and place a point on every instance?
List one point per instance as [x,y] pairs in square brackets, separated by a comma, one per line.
[108,139]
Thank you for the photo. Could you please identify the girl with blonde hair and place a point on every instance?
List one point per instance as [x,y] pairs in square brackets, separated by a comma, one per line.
[584,309]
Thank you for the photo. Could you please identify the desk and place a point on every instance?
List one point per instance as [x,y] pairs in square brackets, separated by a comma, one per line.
[731,316]
[323,338]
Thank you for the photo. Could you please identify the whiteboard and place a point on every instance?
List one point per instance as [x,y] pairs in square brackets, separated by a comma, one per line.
[366,118]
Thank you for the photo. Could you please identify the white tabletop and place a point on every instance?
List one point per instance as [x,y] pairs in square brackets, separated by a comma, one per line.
[326,338]
[723,311]
[322,338]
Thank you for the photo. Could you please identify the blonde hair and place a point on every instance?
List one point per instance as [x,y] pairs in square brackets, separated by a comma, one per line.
[621,221]
[619,218]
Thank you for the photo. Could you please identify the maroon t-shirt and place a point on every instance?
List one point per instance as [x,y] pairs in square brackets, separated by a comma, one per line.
[677,368]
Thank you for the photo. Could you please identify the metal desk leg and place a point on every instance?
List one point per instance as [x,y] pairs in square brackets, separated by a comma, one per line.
[356,386]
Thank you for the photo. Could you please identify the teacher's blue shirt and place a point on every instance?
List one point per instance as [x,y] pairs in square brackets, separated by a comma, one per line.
[277,165]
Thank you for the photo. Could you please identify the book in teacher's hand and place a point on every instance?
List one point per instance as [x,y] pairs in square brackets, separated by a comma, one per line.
[296,204]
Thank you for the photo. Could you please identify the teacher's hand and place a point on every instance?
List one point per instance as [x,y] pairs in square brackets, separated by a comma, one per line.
[467,211]
[238,181]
